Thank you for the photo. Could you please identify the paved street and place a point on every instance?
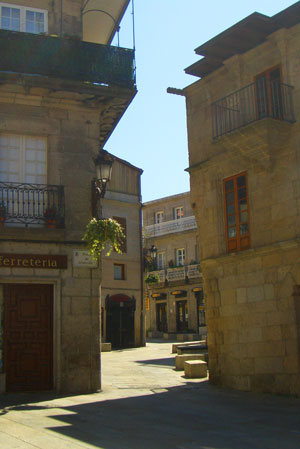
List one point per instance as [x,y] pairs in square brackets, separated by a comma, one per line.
[145,404]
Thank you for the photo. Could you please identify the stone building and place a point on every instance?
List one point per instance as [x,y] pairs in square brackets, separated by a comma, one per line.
[60,99]
[122,277]
[175,299]
[244,140]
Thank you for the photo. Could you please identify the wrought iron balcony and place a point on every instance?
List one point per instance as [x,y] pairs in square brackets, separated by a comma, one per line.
[169,227]
[251,103]
[66,58]
[32,204]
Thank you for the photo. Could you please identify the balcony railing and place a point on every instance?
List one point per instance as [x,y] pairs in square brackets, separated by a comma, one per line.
[33,204]
[169,227]
[252,103]
[66,58]
[178,274]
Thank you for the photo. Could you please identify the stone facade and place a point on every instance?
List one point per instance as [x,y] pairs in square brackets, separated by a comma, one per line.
[68,117]
[251,295]
[170,235]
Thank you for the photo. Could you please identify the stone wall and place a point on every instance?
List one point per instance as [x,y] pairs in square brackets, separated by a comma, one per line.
[253,323]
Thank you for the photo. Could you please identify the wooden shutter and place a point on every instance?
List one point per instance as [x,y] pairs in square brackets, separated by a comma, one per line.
[122,222]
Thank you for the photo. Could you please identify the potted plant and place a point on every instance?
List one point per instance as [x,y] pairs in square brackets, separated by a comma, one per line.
[50,216]
[101,233]
[2,212]
[152,278]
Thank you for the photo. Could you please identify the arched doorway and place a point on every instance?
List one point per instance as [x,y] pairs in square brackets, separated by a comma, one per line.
[120,321]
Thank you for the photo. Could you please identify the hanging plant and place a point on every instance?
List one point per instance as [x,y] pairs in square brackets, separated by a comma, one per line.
[102,233]
[152,278]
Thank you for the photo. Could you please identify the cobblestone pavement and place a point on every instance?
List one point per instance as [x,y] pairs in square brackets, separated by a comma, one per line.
[146,404]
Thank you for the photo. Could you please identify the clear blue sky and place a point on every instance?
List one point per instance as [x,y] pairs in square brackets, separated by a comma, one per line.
[152,133]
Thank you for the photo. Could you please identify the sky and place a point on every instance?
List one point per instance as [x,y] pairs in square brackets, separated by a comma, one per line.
[152,133]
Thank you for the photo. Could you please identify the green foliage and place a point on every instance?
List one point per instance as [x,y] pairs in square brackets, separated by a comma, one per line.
[2,209]
[102,233]
[152,278]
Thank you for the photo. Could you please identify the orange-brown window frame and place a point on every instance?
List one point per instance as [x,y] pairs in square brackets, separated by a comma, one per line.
[236,208]
[267,74]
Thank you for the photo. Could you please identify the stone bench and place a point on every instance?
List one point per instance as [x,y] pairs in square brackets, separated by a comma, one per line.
[192,349]
[186,343]
[180,359]
[105,347]
[195,369]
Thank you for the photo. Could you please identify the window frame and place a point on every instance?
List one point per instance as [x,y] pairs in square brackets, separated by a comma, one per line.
[183,257]
[159,213]
[181,215]
[23,10]
[163,254]
[242,242]
[122,266]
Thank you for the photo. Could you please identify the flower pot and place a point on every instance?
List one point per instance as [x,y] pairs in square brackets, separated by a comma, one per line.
[51,223]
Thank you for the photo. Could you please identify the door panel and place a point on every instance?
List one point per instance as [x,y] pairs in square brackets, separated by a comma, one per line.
[28,335]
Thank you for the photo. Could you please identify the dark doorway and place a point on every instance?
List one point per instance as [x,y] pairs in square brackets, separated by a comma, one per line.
[28,337]
[161,317]
[120,321]
[201,310]
[181,316]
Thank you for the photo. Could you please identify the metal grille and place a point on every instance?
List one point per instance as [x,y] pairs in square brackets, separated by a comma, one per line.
[28,203]
[251,103]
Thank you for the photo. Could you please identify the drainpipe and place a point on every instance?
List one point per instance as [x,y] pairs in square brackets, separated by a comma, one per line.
[142,327]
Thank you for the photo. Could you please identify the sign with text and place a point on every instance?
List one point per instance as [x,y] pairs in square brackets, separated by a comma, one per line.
[33,261]
[83,259]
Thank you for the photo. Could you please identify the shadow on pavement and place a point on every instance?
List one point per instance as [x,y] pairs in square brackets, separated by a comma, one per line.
[193,416]
[170,361]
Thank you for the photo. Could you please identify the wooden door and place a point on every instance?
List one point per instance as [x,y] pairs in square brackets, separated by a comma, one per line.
[161,317]
[28,337]
[181,316]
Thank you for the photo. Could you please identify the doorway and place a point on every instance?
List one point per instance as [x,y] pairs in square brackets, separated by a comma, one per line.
[120,321]
[181,316]
[28,337]
[161,317]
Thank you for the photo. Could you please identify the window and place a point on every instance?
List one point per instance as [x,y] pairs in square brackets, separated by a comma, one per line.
[160,260]
[178,213]
[119,271]
[180,256]
[268,91]
[122,222]
[159,217]
[21,18]
[236,213]
[23,159]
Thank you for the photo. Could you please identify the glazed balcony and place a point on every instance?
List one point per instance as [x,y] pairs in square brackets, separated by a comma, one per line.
[170,227]
[35,205]
[250,104]
[66,59]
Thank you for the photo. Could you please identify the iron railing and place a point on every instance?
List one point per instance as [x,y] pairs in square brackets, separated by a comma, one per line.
[251,103]
[169,227]
[33,204]
[66,58]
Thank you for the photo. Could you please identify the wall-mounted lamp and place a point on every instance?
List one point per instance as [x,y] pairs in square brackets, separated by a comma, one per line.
[103,164]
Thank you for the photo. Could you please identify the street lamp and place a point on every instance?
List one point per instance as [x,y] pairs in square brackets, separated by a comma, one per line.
[103,163]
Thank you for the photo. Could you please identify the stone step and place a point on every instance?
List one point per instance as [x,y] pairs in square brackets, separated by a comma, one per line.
[180,359]
[195,369]
[105,347]
[186,343]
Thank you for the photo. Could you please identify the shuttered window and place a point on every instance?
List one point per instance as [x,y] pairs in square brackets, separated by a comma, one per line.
[122,222]
[236,213]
